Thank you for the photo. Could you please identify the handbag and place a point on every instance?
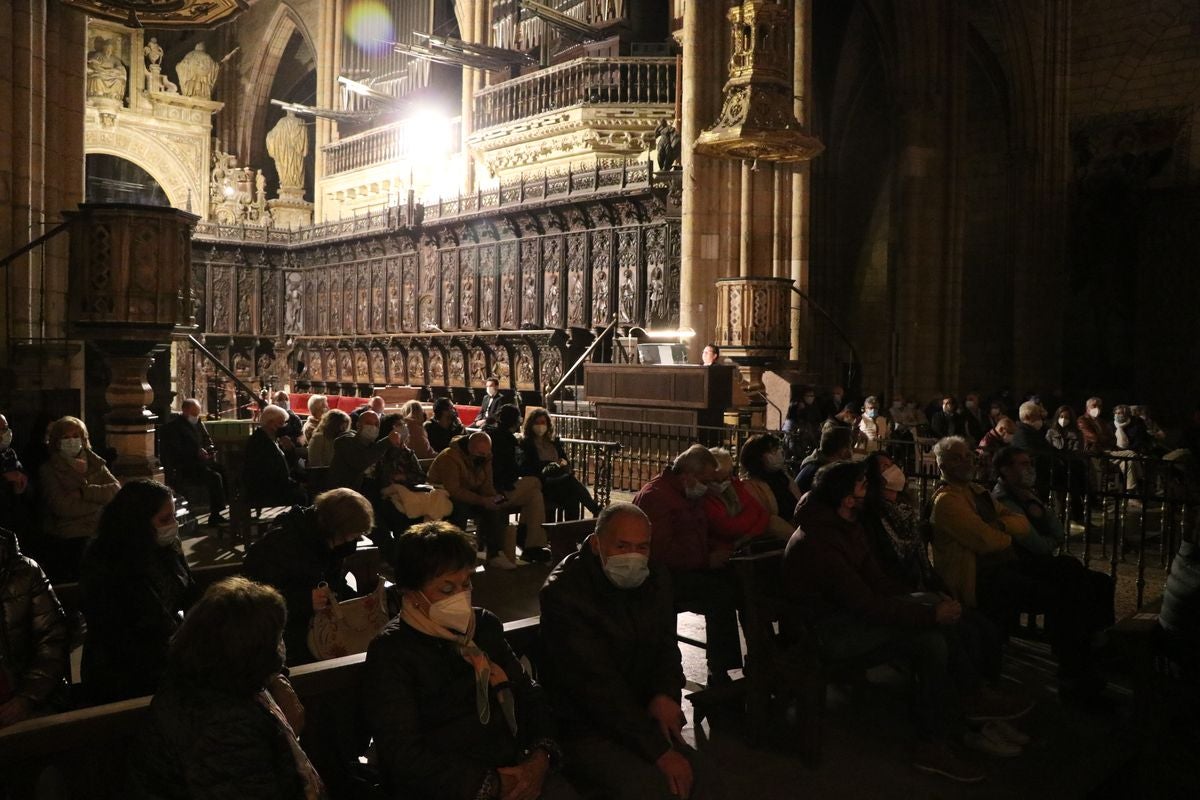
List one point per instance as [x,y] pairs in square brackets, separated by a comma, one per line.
[342,629]
[553,473]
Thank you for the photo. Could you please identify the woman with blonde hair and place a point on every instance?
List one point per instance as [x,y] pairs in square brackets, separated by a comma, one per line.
[414,419]
[318,404]
[75,487]
[320,446]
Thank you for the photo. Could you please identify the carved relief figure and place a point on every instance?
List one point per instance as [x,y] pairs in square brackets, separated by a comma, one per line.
[287,144]
[331,366]
[467,315]
[377,307]
[335,304]
[362,372]
[378,368]
[448,317]
[437,368]
[553,307]
[154,52]
[364,318]
[346,367]
[393,306]
[524,367]
[322,308]
[416,368]
[197,72]
[552,368]
[627,298]
[507,299]
[316,369]
[487,302]
[220,300]
[395,366]
[409,293]
[478,367]
[265,363]
[105,71]
[500,366]
[348,302]
[270,304]
[529,303]
[245,302]
[457,370]
[656,294]
[295,308]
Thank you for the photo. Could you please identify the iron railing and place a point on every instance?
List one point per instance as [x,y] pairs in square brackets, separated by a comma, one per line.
[585,81]
[382,145]
[592,462]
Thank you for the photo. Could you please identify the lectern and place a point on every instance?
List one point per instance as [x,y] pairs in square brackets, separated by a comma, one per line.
[662,393]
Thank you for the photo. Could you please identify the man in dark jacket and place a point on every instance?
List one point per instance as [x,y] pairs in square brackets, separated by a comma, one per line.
[702,580]
[836,445]
[444,426]
[860,613]
[307,548]
[354,452]
[491,403]
[265,471]
[613,667]
[33,639]
[189,456]
[1030,436]
[948,421]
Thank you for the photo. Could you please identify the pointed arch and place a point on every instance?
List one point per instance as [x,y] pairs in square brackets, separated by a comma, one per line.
[253,112]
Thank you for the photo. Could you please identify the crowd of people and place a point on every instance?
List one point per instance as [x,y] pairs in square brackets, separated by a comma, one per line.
[869,576]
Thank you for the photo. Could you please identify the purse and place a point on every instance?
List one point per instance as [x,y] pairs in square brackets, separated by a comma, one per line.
[553,473]
[346,628]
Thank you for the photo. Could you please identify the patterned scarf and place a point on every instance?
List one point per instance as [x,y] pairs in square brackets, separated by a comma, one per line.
[314,788]
[901,523]
[488,674]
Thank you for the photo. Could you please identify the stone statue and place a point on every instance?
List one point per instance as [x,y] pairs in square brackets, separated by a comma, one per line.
[197,73]
[105,72]
[154,53]
[662,145]
[260,189]
[287,144]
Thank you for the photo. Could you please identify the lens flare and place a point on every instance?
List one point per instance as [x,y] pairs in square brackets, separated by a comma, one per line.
[369,26]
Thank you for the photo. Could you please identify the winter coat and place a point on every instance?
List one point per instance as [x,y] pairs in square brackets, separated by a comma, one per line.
[353,455]
[201,744]
[180,443]
[506,458]
[679,526]
[33,628]
[73,500]
[1097,434]
[439,438]
[725,530]
[464,480]
[962,535]
[419,705]
[133,603]
[608,652]
[295,557]
[418,440]
[265,473]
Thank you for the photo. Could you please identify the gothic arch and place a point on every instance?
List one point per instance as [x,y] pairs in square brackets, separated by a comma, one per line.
[167,161]
[253,113]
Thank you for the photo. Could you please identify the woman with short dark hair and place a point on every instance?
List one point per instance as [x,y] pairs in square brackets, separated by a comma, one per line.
[764,467]
[453,714]
[545,458]
[225,722]
[136,585]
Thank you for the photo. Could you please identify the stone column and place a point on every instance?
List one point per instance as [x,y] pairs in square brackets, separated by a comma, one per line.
[327,57]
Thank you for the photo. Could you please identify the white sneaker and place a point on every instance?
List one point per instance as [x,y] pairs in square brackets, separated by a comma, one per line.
[501,561]
[999,729]
[993,747]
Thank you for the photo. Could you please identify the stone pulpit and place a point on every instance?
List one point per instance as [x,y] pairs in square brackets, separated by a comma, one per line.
[129,296]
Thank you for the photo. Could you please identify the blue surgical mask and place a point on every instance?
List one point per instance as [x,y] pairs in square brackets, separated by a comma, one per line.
[871,413]
[627,570]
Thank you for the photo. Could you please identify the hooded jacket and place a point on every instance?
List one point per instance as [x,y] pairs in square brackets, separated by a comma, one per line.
[463,479]
[33,627]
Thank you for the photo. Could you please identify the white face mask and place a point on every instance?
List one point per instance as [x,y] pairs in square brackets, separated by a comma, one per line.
[71,448]
[1064,422]
[1094,413]
[627,570]
[454,612]
[369,432]
[193,420]
[6,439]
[774,461]
[893,479]
[492,391]
[720,487]
[166,535]
[538,430]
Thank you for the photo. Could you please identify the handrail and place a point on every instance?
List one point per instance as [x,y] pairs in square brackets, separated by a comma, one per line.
[23,249]
[591,347]
[837,329]
[254,398]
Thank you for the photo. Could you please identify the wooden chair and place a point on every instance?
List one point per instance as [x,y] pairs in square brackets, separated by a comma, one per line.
[564,538]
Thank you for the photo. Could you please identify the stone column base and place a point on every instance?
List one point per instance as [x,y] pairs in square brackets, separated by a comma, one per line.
[290,209]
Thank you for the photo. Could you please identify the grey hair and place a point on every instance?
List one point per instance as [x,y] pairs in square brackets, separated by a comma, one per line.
[1030,411]
[614,510]
[724,458]
[695,459]
[871,401]
[191,401]
[273,411]
[317,401]
[944,446]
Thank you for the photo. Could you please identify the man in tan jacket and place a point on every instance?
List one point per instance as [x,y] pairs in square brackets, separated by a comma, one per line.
[464,470]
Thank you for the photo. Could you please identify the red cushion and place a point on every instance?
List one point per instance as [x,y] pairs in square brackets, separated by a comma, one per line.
[348,404]
[467,414]
[299,402]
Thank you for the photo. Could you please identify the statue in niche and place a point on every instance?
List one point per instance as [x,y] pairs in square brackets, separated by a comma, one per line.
[478,367]
[437,369]
[295,306]
[287,144]
[106,72]
[448,301]
[468,300]
[260,189]
[601,296]
[154,53]
[331,370]
[552,297]
[395,367]
[322,309]
[315,367]
[657,293]
[507,300]
[627,300]
[668,145]
[197,72]
[155,80]
[416,369]
[500,366]
[486,303]
[347,367]
[528,304]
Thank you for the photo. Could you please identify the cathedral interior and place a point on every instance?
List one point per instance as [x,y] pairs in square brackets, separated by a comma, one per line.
[905,198]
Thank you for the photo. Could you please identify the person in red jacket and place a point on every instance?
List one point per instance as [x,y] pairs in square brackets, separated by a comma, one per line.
[735,516]
[701,578]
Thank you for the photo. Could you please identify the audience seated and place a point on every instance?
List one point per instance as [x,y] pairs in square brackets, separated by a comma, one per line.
[293,429]
[835,446]
[999,436]
[265,474]
[1157,437]
[189,456]
[764,469]
[700,577]
[545,458]
[318,404]
[414,420]
[1062,434]
[735,517]
[135,586]
[75,486]
[974,552]
[334,423]
[522,491]
[1030,436]
[354,452]
[613,668]
[444,426]
[376,404]
[14,511]
[873,426]
[403,484]
[306,548]
[1096,432]
[34,662]
[451,710]
[1130,439]
[973,415]
[225,722]
[949,422]
[491,403]
[857,612]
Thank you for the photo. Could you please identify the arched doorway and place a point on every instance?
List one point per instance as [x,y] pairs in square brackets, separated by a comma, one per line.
[112,179]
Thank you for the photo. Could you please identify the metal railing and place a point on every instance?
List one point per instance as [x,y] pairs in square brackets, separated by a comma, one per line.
[592,462]
[381,145]
[591,348]
[1118,510]
[584,81]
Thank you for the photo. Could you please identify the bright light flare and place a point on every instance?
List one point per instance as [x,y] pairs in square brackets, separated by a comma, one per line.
[369,26]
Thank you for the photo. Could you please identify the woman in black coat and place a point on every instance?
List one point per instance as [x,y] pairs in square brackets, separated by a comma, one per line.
[136,585]
[453,714]
[225,722]
[541,449]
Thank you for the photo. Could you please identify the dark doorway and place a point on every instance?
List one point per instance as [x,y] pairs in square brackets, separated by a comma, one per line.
[111,179]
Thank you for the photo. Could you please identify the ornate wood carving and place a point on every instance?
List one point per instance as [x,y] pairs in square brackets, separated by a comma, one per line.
[479,367]
[378,323]
[378,367]
[488,290]
[396,374]
[363,311]
[525,372]
[531,307]
[408,291]
[437,367]
[393,294]
[577,308]
[221,292]
[362,367]
[552,368]
[449,271]
[552,294]
[509,279]
[416,367]
[469,269]
[627,285]
[602,310]
[456,367]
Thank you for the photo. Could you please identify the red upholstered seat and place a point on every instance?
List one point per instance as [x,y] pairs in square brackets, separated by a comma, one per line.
[299,402]
[467,414]
[348,404]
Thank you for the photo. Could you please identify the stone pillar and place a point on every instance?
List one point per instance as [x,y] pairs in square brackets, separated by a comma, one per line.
[327,58]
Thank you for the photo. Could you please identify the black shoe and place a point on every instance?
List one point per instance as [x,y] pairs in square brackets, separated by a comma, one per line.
[216,519]
[536,555]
